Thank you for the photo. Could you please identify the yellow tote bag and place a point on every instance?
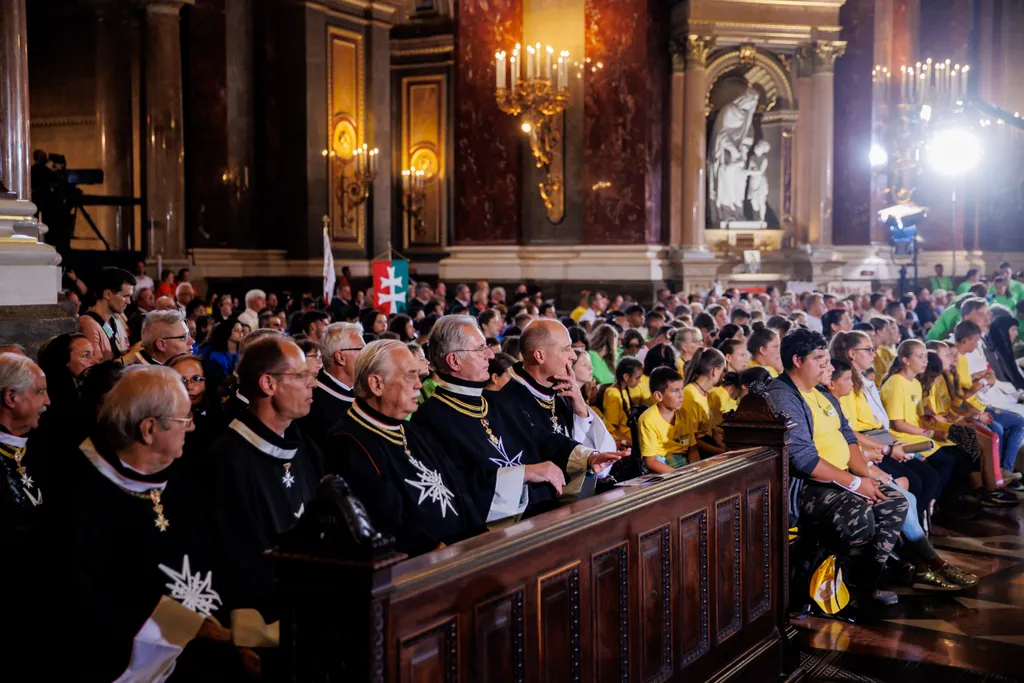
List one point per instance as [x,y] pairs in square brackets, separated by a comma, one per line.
[827,587]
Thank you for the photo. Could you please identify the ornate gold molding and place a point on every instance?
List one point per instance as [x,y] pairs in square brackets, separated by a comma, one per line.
[747,53]
[826,52]
[730,60]
[698,49]
[804,61]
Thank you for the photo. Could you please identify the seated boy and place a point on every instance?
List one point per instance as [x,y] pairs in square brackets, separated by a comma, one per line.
[664,443]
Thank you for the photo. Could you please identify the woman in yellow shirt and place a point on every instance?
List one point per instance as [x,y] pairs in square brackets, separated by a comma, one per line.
[903,399]
[703,372]
[724,398]
[884,349]
[764,347]
[620,399]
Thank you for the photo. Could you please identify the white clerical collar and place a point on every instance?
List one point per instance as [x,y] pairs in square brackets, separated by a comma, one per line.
[12,440]
[459,388]
[241,398]
[363,415]
[260,443]
[346,391]
[533,390]
[108,471]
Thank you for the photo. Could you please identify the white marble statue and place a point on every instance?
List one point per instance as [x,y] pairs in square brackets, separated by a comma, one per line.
[757,186]
[731,140]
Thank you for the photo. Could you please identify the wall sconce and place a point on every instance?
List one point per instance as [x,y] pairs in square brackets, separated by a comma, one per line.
[352,191]
[414,198]
[539,92]
[240,181]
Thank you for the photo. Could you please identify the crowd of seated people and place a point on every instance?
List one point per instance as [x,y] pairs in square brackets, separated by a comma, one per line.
[176,435]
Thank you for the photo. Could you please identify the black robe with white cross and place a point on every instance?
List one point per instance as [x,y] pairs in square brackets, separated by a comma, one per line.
[417,497]
[485,463]
[331,401]
[535,400]
[21,492]
[259,484]
[131,581]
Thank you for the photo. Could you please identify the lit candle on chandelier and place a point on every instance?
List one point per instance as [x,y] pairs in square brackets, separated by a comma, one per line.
[356,155]
[531,58]
[405,181]
[547,63]
[420,179]
[963,82]
[499,68]
[563,77]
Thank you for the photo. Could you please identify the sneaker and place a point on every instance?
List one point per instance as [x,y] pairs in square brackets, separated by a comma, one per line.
[929,580]
[1009,476]
[887,598]
[996,499]
[959,576]
[1015,486]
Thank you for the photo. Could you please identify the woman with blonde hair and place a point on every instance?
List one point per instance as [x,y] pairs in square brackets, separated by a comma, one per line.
[604,342]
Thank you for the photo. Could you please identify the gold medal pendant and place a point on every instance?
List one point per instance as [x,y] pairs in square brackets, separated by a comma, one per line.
[161,521]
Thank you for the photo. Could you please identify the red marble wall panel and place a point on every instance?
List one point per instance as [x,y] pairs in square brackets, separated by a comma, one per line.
[905,25]
[488,165]
[945,29]
[624,111]
[851,210]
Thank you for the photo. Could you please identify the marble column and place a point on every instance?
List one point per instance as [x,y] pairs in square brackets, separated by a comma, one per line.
[695,141]
[114,119]
[163,144]
[822,151]
[676,143]
[14,124]
[804,142]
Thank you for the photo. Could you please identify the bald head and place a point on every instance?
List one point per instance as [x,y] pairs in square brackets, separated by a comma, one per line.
[547,350]
[165,303]
[541,334]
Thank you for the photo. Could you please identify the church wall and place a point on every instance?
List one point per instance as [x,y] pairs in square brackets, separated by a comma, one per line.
[625,113]
[488,163]
[851,213]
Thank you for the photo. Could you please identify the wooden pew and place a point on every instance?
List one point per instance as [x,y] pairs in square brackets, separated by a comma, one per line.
[684,579]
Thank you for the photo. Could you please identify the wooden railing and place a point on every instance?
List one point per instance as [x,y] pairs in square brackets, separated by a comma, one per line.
[684,579]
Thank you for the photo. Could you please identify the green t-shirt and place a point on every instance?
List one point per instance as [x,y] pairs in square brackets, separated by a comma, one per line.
[945,324]
[964,286]
[602,373]
[945,282]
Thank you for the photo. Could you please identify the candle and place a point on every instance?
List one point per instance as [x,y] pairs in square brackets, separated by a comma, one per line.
[903,84]
[530,59]
[514,70]
[963,82]
[355,157]
[564,83]
[499,69]
[547,64]
[405,181]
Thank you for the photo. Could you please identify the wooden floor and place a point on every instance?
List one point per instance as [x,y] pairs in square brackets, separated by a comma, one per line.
[981,629]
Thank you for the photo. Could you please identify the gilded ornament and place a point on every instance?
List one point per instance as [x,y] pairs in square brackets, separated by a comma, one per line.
[826,52]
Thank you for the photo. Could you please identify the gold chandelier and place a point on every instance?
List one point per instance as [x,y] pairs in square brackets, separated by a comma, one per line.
[538,92]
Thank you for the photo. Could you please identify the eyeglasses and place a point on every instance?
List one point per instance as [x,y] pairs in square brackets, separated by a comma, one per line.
[194,379]
[187,421]
[483,349]
[869,349]
[352,348]
[305,376]
[183,336]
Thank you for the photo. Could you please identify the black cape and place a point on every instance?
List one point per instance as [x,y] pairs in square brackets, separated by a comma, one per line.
[420,500]
[259,484]
[539,403]
[331,401]
[112,564]
[475,454]
[21,492]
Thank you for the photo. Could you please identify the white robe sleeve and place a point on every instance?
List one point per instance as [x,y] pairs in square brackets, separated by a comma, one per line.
[581,426]
[161,639]
[511,494]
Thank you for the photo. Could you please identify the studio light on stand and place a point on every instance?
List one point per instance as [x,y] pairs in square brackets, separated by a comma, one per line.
[954,152]
[902,221]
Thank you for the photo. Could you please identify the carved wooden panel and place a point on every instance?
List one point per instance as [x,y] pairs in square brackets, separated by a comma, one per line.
[424,121]
[758,565]
[431,655]
[655,554]
[693,563]
[499,642]
[558,624]
[609,572]
[727,547]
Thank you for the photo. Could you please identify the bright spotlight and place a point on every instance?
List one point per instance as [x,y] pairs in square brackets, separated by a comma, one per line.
[878,157]
[954,151]
[526,127]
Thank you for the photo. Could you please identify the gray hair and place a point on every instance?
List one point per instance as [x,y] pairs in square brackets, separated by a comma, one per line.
[143,391]
[182,286]
[254,336]
[16,373]
[448,335]
[337,337]
[375,359]
[254,294]
[157,322]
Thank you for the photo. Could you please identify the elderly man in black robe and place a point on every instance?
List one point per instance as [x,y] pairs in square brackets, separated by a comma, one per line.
[333,394]
[400,473]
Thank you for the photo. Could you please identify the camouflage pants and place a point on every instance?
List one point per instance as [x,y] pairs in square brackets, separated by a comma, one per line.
[863,531]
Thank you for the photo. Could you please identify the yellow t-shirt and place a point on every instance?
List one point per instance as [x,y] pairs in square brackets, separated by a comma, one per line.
[938,398]
[771,371]
[828,439]
[963,375]
[858,412]
[641,393]
[662,439]
[696,412]
[720,403]
[903,401]
[615,417]
[578,312]
[883,359]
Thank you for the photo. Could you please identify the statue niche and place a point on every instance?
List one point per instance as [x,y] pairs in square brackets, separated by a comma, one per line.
[738,186]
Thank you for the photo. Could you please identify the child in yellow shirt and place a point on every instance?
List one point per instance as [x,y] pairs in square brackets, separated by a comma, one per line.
[620,399]
[703,373]
[665,441]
